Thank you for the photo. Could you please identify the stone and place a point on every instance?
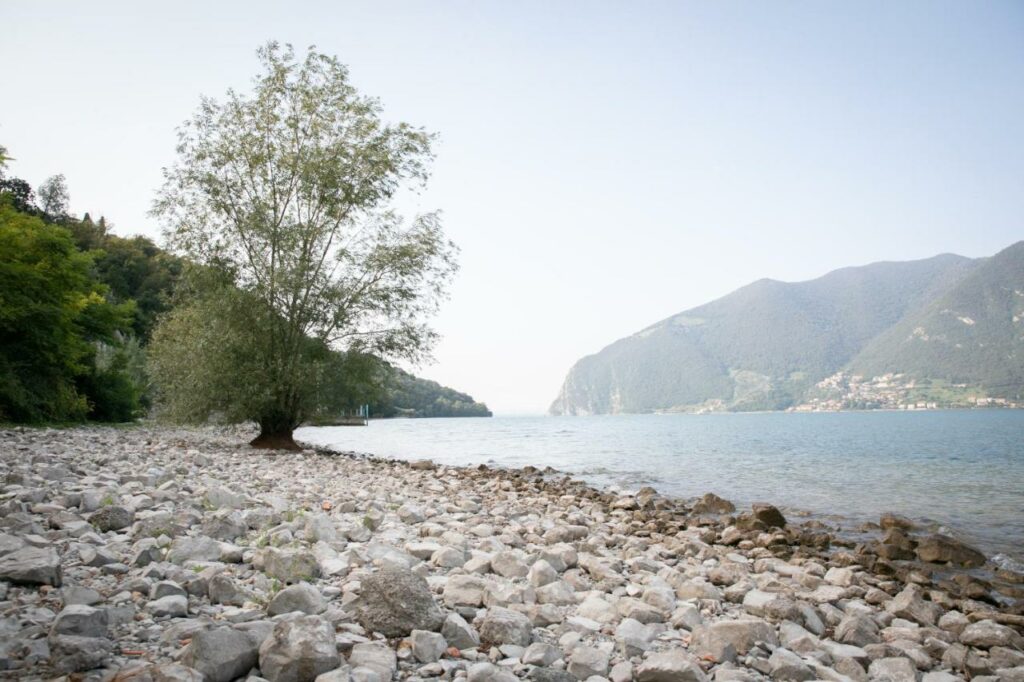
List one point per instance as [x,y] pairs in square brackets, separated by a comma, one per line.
[710,503]
[893,669]
[786,665]
[73,653]
[221,654]
[910,604]
[857,629]
[768,514]
[225,524]
[488,672]
[301,597]
[171,606]
[111,517]
[541,573]
[508,565]
[81,621]
[588,661]
[943,549]
[376,657]
[427,647]
[558,592]
[31,566]
[632,637]
[541,653]
[503,626]
[223,590]
[670,666]
[290,565]
[741,635]
[199,548]
[299,650]
[464,590]
[986,634]
[396,602]
[459,633]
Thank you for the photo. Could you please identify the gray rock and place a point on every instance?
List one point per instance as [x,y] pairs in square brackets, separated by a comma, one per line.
[857,629]
[427,647]
[910,605]
[503,626]
[946,550]
[301,597]
[894,669]
[31,566]
[225,524]
[740,635]
[290,565]
[171,606]
[459,633]
[464,590]
[541,653]
[488,672]
[71,653]
[298,650]
[112,518]
[987,633]
[376,657]
[768,515]
[221,654]
[223,589]
[587,661]
[396,602]
[81,621]
[670,666]
[199,548]
[785,665]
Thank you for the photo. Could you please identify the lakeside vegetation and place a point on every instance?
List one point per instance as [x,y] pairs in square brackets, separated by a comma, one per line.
[288,292]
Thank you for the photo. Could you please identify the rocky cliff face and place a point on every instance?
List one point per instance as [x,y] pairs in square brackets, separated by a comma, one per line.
[765,345]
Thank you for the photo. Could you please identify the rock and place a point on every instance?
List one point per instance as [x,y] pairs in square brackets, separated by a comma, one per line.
[503,626]
[633,637]
[508,565]
[768,515]
[541,653]
[785,665]
[857,629]
[741,635]
[892,670]
[221,654]
[711,503]
[81,621]
[72,653]
[298,650]
[621,672]
[199,548]
[459,633]
[427,647]
[291,565]
[946,550]
[171,606]
[670,666]
[488,672]
[541,573]
[464,590]
[223,590]
[111,518]
[890,520]
[986,634]
[587,661]
[31,566]
[376,657]
[301,597]
[226,524]
[910,605]
[396,602]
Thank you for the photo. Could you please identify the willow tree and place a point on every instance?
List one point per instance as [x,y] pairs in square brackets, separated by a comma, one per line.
[279,199]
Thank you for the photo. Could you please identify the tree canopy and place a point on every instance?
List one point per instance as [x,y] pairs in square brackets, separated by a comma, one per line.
[280,197]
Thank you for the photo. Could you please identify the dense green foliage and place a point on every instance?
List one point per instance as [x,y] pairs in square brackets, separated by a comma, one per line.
[765,345]
[405,395]
[55,319]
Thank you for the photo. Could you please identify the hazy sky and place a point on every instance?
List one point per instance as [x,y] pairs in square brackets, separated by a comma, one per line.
[601,165]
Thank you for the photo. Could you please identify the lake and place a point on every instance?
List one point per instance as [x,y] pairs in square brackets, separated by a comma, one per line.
[962,470]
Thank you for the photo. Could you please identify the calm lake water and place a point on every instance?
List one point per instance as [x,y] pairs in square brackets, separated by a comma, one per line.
[963,470]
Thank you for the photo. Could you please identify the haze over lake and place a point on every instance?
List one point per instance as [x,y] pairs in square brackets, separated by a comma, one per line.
[958,468]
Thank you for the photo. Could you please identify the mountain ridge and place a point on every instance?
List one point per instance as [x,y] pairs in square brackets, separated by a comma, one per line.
[767,344]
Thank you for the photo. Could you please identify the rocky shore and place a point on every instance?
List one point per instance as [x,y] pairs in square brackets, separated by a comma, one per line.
[158,554]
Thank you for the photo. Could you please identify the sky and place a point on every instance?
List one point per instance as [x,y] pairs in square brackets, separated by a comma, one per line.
[601,165]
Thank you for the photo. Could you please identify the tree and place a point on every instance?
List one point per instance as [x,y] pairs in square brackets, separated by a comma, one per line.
[53,317]
[54,196]
[279,198]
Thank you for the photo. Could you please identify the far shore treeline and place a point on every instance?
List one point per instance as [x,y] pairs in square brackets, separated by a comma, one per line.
[287,292]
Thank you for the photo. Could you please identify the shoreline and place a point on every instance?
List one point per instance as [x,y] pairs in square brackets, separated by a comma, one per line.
[155,552]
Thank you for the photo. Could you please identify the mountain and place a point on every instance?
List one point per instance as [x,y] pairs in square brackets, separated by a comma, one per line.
[768,344]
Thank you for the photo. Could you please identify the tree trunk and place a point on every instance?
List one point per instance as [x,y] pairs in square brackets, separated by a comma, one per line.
[275,434]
